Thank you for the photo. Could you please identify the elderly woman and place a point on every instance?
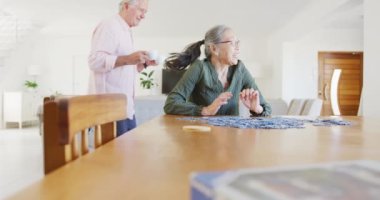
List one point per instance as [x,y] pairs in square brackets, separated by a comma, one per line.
[213,86]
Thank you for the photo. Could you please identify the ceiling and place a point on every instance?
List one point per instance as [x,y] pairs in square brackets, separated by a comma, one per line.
[165,17]
[168,18]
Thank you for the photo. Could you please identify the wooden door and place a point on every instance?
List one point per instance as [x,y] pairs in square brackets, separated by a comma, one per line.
[349,85]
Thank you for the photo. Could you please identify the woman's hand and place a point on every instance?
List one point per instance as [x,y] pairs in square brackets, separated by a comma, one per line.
[251,100]
[213,108]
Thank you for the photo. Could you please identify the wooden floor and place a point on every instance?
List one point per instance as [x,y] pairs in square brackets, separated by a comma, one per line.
[21,158]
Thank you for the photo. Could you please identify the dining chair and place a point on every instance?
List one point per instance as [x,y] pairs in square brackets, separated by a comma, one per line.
[66,117]
[296,106]
[312,107]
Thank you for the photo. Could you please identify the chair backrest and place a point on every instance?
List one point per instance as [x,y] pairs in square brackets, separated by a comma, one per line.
[296,106]
[279,106]
[67,116]
[312,107]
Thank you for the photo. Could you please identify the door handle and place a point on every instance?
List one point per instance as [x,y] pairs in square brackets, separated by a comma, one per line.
[325,91]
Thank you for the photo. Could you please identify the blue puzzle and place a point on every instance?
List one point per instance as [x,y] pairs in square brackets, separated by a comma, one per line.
[264,122]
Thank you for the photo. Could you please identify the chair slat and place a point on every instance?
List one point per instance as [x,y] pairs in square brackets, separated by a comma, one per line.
[66,116]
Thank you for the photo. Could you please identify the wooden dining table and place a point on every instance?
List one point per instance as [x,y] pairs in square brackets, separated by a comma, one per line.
[156,160]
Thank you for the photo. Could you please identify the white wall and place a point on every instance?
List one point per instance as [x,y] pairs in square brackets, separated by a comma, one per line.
[14,71]
[371,91]
[54,54]
[300,59]
[58,56]
[280,47]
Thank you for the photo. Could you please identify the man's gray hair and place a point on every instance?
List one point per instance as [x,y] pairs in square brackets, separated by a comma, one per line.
[123,2]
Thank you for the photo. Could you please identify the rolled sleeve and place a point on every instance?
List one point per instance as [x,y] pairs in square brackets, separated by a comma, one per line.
[102,62]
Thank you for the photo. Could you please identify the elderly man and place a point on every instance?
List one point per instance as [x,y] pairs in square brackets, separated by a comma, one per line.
[113,61]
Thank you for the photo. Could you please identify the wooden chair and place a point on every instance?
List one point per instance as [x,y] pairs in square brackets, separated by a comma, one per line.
[67,116]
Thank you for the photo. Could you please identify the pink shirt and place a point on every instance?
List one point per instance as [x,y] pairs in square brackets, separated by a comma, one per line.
[110,39]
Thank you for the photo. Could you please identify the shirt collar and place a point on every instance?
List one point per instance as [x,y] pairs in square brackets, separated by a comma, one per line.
[123,22]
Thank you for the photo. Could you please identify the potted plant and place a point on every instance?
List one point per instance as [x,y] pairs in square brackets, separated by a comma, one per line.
[146,79]
[31,85]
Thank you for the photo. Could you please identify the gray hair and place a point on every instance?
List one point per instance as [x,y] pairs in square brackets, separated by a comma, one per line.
[129,2]
[180,61]
[214,35]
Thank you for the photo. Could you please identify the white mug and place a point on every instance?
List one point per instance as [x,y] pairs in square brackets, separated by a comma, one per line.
[153,55]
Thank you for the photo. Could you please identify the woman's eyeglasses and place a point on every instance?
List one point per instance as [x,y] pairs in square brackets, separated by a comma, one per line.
[235,43]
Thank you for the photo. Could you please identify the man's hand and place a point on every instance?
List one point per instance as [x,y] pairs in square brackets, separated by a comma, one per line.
[138,57]
[143,66]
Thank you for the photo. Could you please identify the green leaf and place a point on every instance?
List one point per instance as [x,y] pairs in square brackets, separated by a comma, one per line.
[151,73]
[146,79]
[31,84]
